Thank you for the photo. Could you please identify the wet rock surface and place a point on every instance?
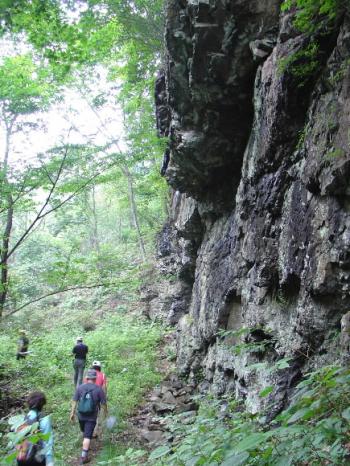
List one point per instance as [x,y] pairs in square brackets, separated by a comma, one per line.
[259,232]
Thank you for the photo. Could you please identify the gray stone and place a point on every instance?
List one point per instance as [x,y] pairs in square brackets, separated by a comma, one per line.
[169,398]
[161,408]
[258,235]
[154,437]
[208,83]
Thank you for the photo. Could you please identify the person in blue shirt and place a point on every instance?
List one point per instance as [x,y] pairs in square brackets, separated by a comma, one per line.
[36,401]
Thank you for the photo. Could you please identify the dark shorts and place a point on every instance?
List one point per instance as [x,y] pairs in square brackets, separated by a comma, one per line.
[87,427]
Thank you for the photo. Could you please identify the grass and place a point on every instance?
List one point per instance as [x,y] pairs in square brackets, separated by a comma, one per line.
[125,344]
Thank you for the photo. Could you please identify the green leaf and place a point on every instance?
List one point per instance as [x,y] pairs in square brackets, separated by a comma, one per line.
[236,459]
[159,452]
[9,458]
[193,461]
[250,442]
[283,363]
[300,414]
[266,391]
[346,414]
[284,461]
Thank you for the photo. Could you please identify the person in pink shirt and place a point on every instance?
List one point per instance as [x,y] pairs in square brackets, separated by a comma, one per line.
[101,377]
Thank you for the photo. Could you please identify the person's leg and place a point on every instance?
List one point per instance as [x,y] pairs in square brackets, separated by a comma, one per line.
[76,370]
[81,425]
[89,427]
[81,372]
[86,444]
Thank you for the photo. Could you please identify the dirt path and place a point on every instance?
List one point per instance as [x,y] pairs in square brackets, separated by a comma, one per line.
[147,427]
[96,446]
[140,419]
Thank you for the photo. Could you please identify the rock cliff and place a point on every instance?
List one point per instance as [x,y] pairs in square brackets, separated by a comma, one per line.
[255,256]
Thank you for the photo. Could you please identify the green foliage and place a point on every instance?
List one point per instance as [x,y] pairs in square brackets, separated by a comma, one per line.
[315,18]
[302,64]
[15,437]
[335,153]
[314,15]
[74,43]
[126,347]
[313,430]
[25,86]
[116,455]
[340,74]
[71,34]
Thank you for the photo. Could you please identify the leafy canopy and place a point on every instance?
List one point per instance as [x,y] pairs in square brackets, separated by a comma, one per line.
[26,87]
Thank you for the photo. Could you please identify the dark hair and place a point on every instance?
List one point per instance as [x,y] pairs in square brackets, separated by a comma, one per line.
[96,368]
[36,400]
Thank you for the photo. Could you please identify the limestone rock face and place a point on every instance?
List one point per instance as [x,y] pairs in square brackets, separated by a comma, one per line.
[258,240]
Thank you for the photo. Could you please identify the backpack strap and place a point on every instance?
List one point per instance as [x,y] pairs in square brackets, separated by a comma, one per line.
[86,392]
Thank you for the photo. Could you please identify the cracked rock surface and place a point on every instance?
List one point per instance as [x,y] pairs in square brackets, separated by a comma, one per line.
[258,237]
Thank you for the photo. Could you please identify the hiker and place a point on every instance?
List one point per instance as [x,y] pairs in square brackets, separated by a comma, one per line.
[101,379]
[79,351]
[22,347]
[88,399]
[44,457]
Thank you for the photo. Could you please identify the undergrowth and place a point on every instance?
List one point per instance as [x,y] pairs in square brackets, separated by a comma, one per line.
[313,430]
[126,345]
[314,15]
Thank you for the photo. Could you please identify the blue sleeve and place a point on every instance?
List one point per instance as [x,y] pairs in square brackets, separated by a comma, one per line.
[46,428]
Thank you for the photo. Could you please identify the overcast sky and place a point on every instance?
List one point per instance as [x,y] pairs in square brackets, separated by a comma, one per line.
[71,121]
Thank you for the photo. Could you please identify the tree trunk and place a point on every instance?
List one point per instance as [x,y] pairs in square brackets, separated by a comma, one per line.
[3,256]
[133,209]
[95,238]
[5,241]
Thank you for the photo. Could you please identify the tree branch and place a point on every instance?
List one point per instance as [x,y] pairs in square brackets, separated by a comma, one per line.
[52,293]
[40,213]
